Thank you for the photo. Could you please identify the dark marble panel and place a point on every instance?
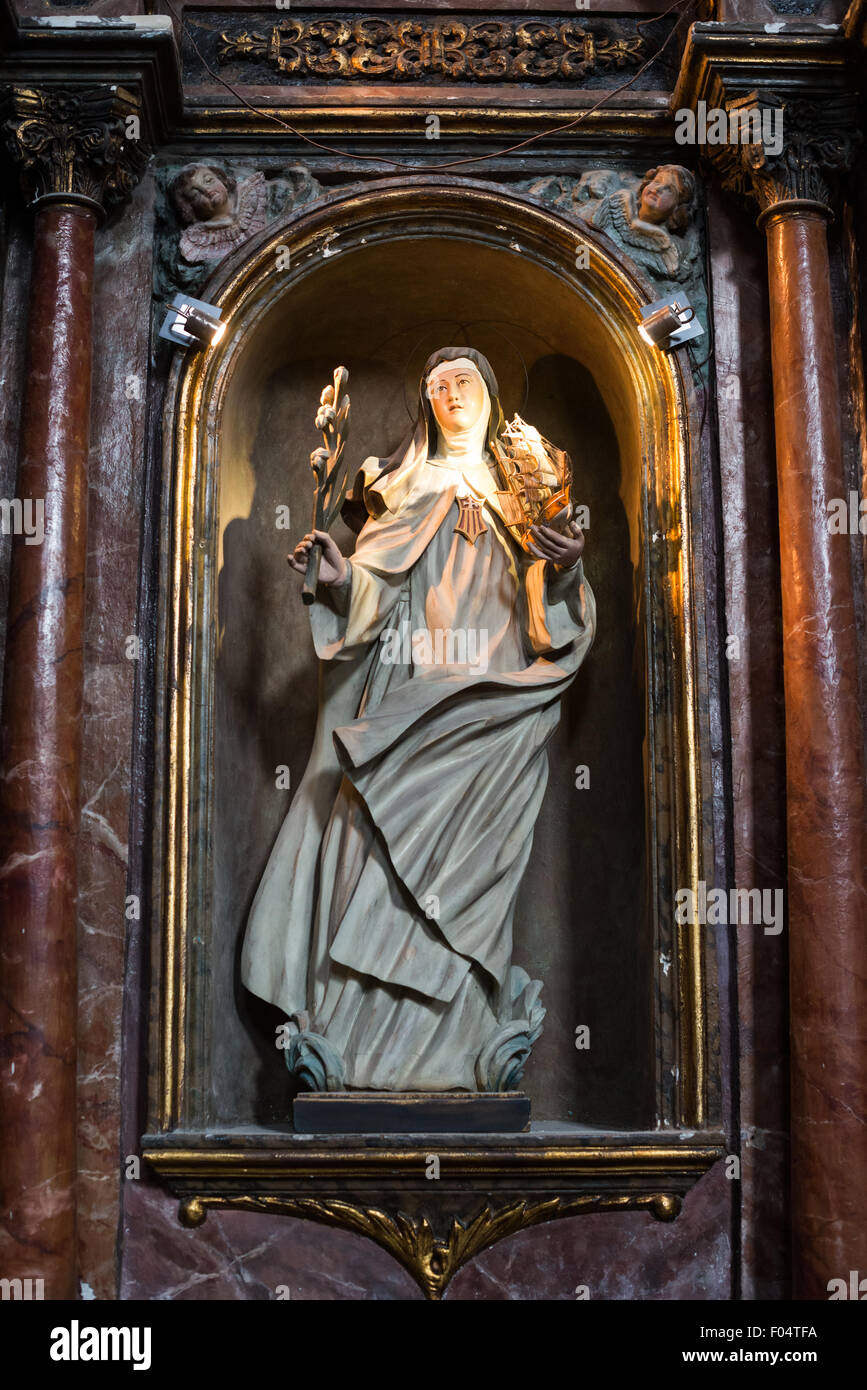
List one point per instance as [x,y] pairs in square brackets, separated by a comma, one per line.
[781,11]
[115,500]
[613,1257]
[237,1256]
[750,543]
[66,9]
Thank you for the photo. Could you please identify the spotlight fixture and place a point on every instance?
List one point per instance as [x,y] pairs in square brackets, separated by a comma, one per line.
[192,323]
[669,323]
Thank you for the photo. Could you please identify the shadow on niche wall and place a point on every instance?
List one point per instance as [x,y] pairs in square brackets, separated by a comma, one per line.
[582,923]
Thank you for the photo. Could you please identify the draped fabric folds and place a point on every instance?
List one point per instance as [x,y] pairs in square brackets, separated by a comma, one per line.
[383,921]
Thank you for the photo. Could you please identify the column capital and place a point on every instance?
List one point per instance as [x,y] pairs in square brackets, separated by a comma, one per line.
[801,75]
[78,144]
[789,152]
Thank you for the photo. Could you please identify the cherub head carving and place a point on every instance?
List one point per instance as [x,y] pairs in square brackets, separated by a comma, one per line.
[202,193]
[665,197]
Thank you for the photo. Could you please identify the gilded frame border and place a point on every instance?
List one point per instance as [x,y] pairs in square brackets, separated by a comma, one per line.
[647,1170]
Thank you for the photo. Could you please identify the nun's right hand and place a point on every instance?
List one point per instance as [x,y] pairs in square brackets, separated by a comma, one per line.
[333,567]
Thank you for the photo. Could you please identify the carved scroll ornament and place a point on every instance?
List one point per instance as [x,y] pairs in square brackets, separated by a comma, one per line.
[419,49]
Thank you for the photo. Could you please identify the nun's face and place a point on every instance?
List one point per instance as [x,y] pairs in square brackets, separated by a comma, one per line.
[458,399]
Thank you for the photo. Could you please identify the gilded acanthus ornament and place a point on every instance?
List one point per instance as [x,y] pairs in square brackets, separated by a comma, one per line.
[422,49]
[77,142]
[433,1259]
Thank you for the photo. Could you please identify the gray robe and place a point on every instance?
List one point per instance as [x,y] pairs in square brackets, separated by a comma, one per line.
[383,921]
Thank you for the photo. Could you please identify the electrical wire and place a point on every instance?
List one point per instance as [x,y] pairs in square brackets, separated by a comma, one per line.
[697,366]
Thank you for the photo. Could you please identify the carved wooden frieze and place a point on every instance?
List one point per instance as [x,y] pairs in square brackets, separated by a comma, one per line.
[420,48]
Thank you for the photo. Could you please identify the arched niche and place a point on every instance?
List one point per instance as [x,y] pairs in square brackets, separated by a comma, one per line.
[367,278]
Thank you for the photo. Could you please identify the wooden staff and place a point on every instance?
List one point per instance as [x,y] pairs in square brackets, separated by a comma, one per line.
[332,418]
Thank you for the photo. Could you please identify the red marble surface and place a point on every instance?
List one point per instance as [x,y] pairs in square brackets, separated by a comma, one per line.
[39,801]
[239,1255]
[827,820]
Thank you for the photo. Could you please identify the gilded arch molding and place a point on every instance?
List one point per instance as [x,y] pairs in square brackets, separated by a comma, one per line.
[654,396]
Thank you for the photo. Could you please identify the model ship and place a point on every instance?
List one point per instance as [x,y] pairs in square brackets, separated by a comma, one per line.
[537,478]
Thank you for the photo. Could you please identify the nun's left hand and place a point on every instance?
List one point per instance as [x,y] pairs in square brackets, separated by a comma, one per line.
[562,549]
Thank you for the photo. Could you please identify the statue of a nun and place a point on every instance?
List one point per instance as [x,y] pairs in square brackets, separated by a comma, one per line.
[383,921]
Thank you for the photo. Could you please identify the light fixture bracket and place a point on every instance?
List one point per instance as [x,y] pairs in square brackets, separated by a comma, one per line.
[173,327]
[686,332]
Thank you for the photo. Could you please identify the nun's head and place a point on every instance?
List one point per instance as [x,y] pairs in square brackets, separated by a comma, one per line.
[458,395]
[456,390]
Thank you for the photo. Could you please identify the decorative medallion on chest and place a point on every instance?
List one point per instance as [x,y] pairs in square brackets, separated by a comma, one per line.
[470,523]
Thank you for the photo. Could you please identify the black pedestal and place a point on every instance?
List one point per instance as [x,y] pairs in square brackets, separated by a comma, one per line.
[402,1112]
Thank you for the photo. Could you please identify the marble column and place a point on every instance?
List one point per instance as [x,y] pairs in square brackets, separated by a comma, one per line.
[825,775]
[75,160]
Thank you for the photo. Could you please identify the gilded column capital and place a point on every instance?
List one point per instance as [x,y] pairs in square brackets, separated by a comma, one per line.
[74,144]
[784,151]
